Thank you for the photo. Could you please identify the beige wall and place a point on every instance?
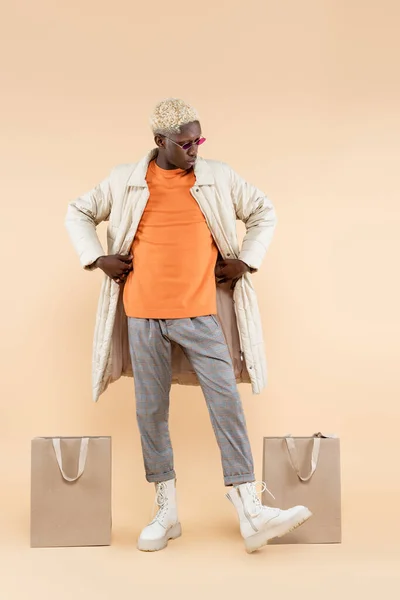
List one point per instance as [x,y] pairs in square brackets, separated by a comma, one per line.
[302,98]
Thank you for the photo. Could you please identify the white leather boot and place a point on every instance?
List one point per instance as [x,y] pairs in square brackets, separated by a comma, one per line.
[259,523]
[165,525]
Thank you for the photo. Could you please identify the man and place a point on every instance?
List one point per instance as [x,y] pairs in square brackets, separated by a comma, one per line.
[178,295]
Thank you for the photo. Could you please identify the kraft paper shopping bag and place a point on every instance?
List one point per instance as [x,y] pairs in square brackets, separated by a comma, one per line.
[305,470]
[70,491]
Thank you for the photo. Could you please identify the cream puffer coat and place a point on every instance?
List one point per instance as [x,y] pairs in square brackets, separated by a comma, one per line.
[223,196]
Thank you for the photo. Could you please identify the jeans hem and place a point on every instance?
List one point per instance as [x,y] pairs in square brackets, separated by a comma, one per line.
[161,477]
[238,479]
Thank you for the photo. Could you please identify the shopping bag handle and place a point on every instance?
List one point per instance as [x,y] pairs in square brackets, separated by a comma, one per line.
[291,446]
[82,457]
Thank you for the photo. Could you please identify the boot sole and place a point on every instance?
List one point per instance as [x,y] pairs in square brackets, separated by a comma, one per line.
[153,545]
[261,538]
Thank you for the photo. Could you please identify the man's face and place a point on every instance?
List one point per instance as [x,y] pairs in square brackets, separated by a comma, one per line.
[173,153]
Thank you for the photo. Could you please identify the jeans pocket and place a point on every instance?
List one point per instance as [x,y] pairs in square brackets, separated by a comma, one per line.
[216,321]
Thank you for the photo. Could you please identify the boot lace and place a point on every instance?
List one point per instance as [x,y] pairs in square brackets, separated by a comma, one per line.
[252,488]
[161,501]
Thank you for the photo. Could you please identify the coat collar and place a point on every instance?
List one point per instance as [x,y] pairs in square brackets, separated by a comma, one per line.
[202,171]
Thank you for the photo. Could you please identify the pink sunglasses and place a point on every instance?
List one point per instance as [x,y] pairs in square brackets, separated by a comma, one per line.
[188,144]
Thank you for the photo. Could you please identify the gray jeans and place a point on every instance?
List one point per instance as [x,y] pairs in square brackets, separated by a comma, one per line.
[203,342]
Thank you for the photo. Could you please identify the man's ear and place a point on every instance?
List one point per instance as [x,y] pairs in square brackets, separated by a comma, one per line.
[160,141]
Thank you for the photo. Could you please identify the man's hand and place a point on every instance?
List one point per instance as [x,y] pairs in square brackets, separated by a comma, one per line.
[115,266]
[231,269]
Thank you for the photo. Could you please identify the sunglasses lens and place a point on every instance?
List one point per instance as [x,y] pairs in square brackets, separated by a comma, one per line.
[189,145]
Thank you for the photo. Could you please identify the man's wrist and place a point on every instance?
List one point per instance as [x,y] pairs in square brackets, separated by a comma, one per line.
[249,269]
[99,262]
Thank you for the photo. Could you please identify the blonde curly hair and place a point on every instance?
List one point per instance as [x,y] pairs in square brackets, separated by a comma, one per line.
[170,115]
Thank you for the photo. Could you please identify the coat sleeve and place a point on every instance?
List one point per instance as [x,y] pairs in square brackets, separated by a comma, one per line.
[258,214]
[83,216]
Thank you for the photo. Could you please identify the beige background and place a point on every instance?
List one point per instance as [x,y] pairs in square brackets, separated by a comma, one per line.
[302,98]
